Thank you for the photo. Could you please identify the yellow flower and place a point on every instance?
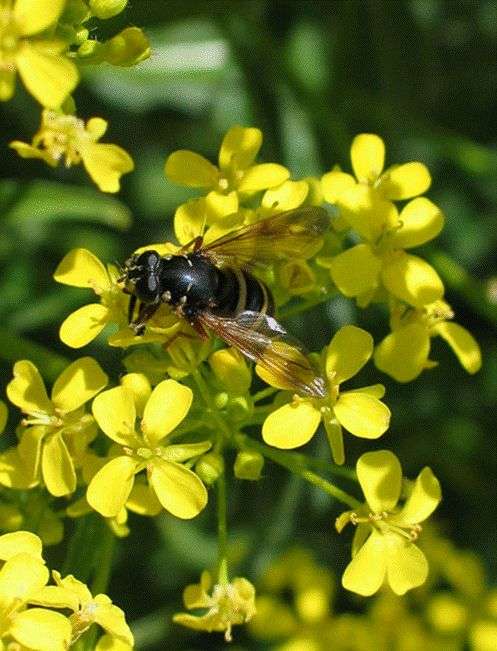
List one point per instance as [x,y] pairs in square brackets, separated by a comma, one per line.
[404,353]
[383,547]
[22,576]
[71,594]
[47,74]
[66,137]
[237,175]
[359,411]
[380,260]
[228,605]
[367,154]
[81,268]
[56,430]
[177,488]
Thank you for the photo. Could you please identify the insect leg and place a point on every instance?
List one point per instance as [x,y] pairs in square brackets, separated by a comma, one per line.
[145,312]
[131,307]
[195,244]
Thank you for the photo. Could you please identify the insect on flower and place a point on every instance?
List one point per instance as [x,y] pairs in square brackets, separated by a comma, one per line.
[213,288]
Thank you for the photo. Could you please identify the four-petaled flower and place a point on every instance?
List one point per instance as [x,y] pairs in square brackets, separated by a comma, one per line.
[47,74]
[236,177]
[178,489]
[67,138]
[56,430]
[383,547]
[404,353]
[71,594]
[359,411]
[227,605]
[380,261]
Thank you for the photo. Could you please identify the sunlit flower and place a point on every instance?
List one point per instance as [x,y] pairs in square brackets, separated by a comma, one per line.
[71,594]
[56,430]
[367,154]
[177,488]
[22,576]
[47,74]
[235,177]
[383,547]
[359,411]
[380,260]
[227,605]
[404,353]
[67,138]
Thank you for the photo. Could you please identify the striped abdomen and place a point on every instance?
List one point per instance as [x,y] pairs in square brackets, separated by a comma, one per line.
[239,291]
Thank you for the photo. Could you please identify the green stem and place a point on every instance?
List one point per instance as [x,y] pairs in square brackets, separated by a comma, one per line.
[294,464]
[264,393]
[222,531]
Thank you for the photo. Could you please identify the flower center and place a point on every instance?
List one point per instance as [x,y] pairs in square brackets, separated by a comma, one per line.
[386,522]
[62,136]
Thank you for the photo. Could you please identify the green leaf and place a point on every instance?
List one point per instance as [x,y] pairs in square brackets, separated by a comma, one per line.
[45,201]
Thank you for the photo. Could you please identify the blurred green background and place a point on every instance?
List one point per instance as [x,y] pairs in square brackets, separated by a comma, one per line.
[311,75]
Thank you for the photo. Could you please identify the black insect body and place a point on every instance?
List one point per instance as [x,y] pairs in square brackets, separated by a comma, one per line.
[213,288]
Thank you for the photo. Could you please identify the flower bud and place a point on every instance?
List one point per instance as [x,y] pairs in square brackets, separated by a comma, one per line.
[209,467]
[107,8]
[297,277]
[248,465]
[231,370]
[91,51]
[127,48]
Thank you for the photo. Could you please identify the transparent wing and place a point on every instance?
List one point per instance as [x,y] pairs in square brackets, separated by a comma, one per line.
[263,340]
[292,234]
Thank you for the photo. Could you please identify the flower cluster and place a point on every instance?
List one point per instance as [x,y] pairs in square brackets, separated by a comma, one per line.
[30,607]
[45,43]
[161,437]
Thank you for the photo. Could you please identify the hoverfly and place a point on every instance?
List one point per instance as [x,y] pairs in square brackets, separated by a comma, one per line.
[213,288]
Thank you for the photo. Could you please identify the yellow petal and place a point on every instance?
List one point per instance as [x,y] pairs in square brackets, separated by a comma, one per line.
[106,163]
[423,500]
[115,413]
[178,489]
[55,596]
[14,472]
[367,212]
[411,279]
[20,577]
[20,542]
[263,176]
[349,350]
[165,409]
[403,353]
[366,571]
[239,148]
[405,181]
[356,270]
[334,433]
[28,151]
[96,127]
[84,324]
[421,221]
[368,157]
[49,78]
[335,183]
[143,500]
[188,168]
[33,16]
[463,344]
[27,389]
[7,84]
[189,220]
[57,467]
[140,386]
[380,477]
[375,390]
[77,384]
[219,205]
[231,370]
[407,566]
[80,268]
[112,620]
[29,448]
[109,643]
[288,195]
[110,488]
[41,629]
[292,425]
[362,415]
